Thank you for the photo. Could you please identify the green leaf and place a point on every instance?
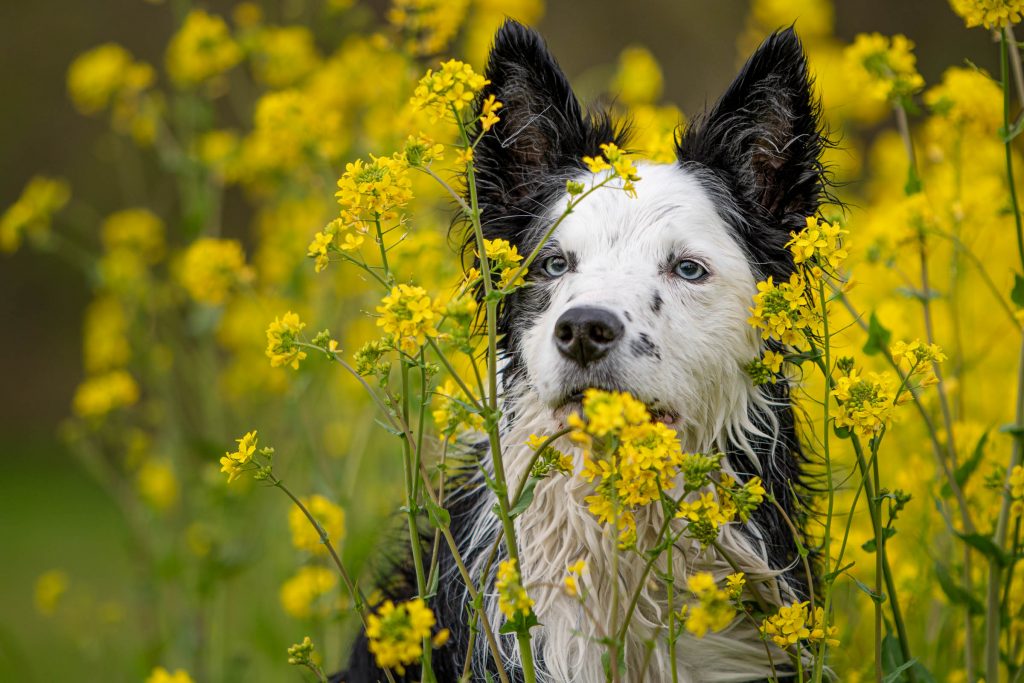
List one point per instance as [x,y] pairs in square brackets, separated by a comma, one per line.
[892,655]
[1017,294]
[867,589]
[897,673]
[967,468]
[878,337]
[956,593]
[525,499]
[439,517]
[869,545]
[984,545]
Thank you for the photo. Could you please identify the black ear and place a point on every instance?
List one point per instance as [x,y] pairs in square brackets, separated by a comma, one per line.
[763,141]
[543,134]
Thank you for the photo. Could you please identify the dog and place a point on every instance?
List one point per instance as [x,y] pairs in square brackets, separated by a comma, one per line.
[648,295]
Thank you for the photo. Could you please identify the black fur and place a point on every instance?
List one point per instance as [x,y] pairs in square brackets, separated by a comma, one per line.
[757,151]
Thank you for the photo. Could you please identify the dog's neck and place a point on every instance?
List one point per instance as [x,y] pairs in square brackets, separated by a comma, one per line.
[557,529]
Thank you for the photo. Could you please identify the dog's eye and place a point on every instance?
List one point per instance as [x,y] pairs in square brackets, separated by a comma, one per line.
[555,266]
[690,270]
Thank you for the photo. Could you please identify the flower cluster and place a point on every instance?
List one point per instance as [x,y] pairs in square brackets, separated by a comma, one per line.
[884,68]
[714,609]
[108,76]
[918,359]
[409,316]
[989,13]
[820,244]
[453,87]
[631,458]
[233,463]
[32,213]
[374,191]
[212,269]
[50,587]
[282,341]
[512,598]
[138,231]
[793,623]
[785,311]
[396,633]
[99,395]
[1016,480]
[765,370]
[550,459]
[330,517]
[330,240]
[488,113]
[504,260]
[865,402]
[615,160]
[302,592]
[428,25]
[202,49]
[162,675]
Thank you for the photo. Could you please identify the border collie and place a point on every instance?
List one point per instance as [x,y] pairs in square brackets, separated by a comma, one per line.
[654,292]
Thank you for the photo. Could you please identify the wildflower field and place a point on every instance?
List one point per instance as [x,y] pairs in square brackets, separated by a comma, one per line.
[282,340]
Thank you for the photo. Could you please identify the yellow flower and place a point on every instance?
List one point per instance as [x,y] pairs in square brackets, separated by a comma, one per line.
[788,626]
[97,396]
[162,675]
[735,584]
[201,50]
[865,404]
[785,311]
[283,55]
[212,269]
[32,213]
[300,592]
[764,370]
[573,573]
[989,13]
[504,259]
[232,464]
[138,231]
[409,316]
[712,611]
[488,117]
[614,159]
[157,484]
[49,589]
[512,597]
[105,343]
[453,413]
[638,79]
[396,633]
[451,88]
[376,190]
[282,338]
[882,68]
[329,515]
[428,25]
[96,76]
[318,249]
[820,243]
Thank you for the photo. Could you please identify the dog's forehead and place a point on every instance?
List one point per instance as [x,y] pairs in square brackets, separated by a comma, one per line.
[672,209]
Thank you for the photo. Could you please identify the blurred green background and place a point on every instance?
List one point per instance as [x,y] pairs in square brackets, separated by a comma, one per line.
[51,513]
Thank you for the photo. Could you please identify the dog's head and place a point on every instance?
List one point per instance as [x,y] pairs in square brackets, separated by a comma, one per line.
[647,294]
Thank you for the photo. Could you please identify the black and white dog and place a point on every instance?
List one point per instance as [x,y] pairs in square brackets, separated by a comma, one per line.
[647,295]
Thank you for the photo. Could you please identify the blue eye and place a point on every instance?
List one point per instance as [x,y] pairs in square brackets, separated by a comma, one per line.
[690,270]
[555,266]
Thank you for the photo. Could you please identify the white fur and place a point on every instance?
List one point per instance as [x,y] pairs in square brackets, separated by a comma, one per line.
[622,246]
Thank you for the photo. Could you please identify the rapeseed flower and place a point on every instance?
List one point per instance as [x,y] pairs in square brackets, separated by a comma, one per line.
[991,14]
[883,68]
[512,597]
[282,341]
[865,402]
[451,88]
[99,395]
[32,214]
[233,464]
[615,160]
[212,269]
[396,633]
[201,50]
[713,610]
[785,311]
[301,592]
[374,191]
[408,315]
[162,675]
[330,517]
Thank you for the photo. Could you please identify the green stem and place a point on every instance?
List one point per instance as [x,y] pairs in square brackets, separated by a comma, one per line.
[819,662]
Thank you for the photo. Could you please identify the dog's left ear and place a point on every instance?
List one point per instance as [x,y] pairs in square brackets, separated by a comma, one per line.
[763,138]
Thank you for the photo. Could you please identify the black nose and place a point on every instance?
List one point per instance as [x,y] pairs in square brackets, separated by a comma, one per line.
[586,334]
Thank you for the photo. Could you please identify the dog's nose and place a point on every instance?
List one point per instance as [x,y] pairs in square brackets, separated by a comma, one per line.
[586,334]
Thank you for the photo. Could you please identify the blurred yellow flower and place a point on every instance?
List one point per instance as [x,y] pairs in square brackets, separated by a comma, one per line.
[212,269]
[638,79]
[202,49]
[299,594]
[157,484]
[139,231]
[329,515]
[883,68]
[162,675]
[512,597]
[32,213]
[99,395]
[49,589]
[989,13]
[396,633]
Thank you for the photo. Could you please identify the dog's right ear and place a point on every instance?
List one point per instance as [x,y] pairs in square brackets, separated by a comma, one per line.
[541,138]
